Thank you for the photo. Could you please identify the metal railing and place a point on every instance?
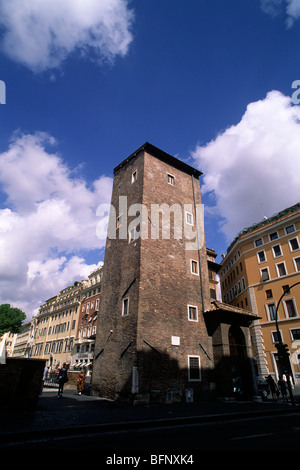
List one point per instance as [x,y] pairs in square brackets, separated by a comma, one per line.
[51,380]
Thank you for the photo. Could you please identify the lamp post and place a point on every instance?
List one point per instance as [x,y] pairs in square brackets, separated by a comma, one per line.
[283,352]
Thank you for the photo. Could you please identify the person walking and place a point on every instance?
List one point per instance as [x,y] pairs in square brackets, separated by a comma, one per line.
[80,382]
[45,373]
[272,386]
[62,379]
[283,388]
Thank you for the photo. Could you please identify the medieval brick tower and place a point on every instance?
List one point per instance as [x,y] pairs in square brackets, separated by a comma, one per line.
[152,339]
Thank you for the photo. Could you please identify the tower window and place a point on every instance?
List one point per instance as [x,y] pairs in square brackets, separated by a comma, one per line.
[194,372]
[194,267]
[134,176]
[189,218]
[171,179]
[132,235]
[192,313]
[125,307]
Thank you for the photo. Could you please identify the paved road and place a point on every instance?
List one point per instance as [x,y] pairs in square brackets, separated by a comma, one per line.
[278,433]
[88,423]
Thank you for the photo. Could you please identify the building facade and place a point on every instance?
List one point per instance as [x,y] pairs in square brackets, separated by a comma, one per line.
[213,276]
[261,264]
[9,340]
[84,342]
[161,337]
[23,342]
[55,327]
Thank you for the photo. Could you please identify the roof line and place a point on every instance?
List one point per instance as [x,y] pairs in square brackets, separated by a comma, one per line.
[161,155]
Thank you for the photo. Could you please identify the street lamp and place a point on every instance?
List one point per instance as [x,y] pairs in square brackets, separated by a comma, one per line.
[283,352]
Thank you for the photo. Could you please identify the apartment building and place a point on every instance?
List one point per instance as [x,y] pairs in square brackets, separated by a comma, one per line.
[55,327]
[23,342]
[9,340]
[262,264]
[84,343]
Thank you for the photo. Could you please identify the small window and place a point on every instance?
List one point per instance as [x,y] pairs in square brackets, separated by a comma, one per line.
[125,307]
[119,220]
[261,256]
[134,176]
[132,235]
[192,313]
[276,338]
[290,308]
[189,218]
[297,264]
[281,269]
[290,229]
[295,334]
[271,311]
[294,244]
[194,267]
[269,294]
[194,372]
[171,179]
[259,242]
[277,251]
[273,236]
[264,274]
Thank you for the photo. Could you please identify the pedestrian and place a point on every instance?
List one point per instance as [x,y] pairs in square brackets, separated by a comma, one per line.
[62,379]
[272,386]
[44,377]
[283,388]
[80,382]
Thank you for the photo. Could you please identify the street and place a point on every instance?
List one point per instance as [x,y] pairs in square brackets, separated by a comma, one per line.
[278,433]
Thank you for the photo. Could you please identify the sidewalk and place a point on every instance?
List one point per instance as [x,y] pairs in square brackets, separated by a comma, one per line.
[74,414]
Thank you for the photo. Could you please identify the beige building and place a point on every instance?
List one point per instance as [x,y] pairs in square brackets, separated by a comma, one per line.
[261,264]
[56,325]
[9,340]
[23,342]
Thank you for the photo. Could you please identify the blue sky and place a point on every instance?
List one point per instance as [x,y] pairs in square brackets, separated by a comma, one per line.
[89,81]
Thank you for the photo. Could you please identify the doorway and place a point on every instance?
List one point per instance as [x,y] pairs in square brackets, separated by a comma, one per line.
[240,370]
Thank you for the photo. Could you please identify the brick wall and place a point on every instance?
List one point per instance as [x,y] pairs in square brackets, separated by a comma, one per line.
[155,274]
[20,383]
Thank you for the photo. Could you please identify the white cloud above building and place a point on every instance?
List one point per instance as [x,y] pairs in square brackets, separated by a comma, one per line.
[252,169]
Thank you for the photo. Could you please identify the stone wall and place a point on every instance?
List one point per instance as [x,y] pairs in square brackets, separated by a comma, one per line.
[20,383]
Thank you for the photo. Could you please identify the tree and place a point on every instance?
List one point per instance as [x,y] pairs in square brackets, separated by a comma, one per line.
[10,319]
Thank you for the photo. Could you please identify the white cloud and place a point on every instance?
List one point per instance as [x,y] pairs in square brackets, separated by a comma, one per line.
[252,169]
[41,34]
[48,220]
[276,7]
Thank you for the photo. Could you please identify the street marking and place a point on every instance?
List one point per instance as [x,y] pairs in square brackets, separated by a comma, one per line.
[251,436]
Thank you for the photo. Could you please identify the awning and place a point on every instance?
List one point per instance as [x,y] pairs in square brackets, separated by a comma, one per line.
[220,312]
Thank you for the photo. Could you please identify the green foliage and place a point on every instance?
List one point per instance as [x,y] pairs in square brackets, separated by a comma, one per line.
[11,319]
